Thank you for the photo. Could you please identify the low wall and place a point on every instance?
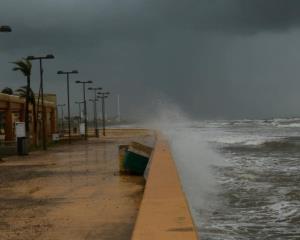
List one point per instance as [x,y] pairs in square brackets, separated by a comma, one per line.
[164,212]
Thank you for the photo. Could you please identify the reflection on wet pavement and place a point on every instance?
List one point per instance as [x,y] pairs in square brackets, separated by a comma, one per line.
[70,192]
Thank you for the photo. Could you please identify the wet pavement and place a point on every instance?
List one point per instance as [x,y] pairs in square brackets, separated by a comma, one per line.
[70,192]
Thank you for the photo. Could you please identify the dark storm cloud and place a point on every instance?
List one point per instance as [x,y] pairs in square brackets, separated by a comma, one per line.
[90,22]
[237,16]
[187,50]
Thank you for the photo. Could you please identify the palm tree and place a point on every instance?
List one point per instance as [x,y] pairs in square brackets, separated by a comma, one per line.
[24,66]
[22,92]
[7,91]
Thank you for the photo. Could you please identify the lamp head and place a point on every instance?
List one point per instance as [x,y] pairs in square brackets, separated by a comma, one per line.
[60,72]
[5,29]
[30,58]
[77,82]
[75,72]
[89,81]
[49,56]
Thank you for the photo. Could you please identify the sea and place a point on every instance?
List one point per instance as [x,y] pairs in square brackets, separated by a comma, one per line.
[241,177]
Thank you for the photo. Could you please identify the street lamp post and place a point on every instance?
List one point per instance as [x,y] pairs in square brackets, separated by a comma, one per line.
[79,109]
[84,104]
[95,108]
[5,28]
[62,116]
[94,101]
[68,91]
[49,56]
[103,96]
[118,109]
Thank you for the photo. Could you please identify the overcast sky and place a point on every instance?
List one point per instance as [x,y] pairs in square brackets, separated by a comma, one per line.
[212,58]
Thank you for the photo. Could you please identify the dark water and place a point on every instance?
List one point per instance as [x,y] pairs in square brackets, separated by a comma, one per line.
[256,194]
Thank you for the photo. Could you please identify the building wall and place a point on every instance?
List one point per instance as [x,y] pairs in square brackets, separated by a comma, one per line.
[13,109]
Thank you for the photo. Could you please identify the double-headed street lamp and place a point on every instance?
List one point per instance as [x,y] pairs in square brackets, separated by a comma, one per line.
[49,56]
[5,28]
[95,89]
[62,116]
[84,102]
[68,91]
[103,96]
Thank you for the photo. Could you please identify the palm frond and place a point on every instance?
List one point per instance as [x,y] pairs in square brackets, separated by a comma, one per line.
[22,91]
[24,66]
[8,91]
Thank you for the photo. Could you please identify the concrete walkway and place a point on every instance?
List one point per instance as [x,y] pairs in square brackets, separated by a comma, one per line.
[70,192]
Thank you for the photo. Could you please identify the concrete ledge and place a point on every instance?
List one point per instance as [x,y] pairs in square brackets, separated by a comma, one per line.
[17,99]
[164,213]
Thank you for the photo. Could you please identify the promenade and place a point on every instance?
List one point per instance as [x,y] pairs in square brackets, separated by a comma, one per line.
[71,191]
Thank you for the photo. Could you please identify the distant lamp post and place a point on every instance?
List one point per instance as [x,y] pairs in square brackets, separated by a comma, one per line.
[94,101]
[79,110]
[68,91]
[95,108]
[84,105]
[118,109]
[31,58]
[5,28]
[103,96]
[62,116]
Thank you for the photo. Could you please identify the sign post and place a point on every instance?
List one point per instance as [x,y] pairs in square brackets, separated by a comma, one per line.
[82,129]
[20,130]
[22,140]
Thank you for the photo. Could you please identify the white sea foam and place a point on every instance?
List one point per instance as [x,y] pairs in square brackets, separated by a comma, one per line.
[248,185]
[284,210]
[279,206]
[192,153]
[242,140]
[290,125]
[285,123]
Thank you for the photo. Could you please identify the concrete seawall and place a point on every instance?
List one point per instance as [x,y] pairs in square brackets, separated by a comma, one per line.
[164,212]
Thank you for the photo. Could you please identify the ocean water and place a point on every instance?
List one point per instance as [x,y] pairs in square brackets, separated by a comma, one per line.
[242,178]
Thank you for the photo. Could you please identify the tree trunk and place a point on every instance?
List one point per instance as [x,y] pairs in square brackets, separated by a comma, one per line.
[27,107]
[38,124]
[35,123]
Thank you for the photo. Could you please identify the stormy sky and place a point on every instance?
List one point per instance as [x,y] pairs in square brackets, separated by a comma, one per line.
[212,58]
